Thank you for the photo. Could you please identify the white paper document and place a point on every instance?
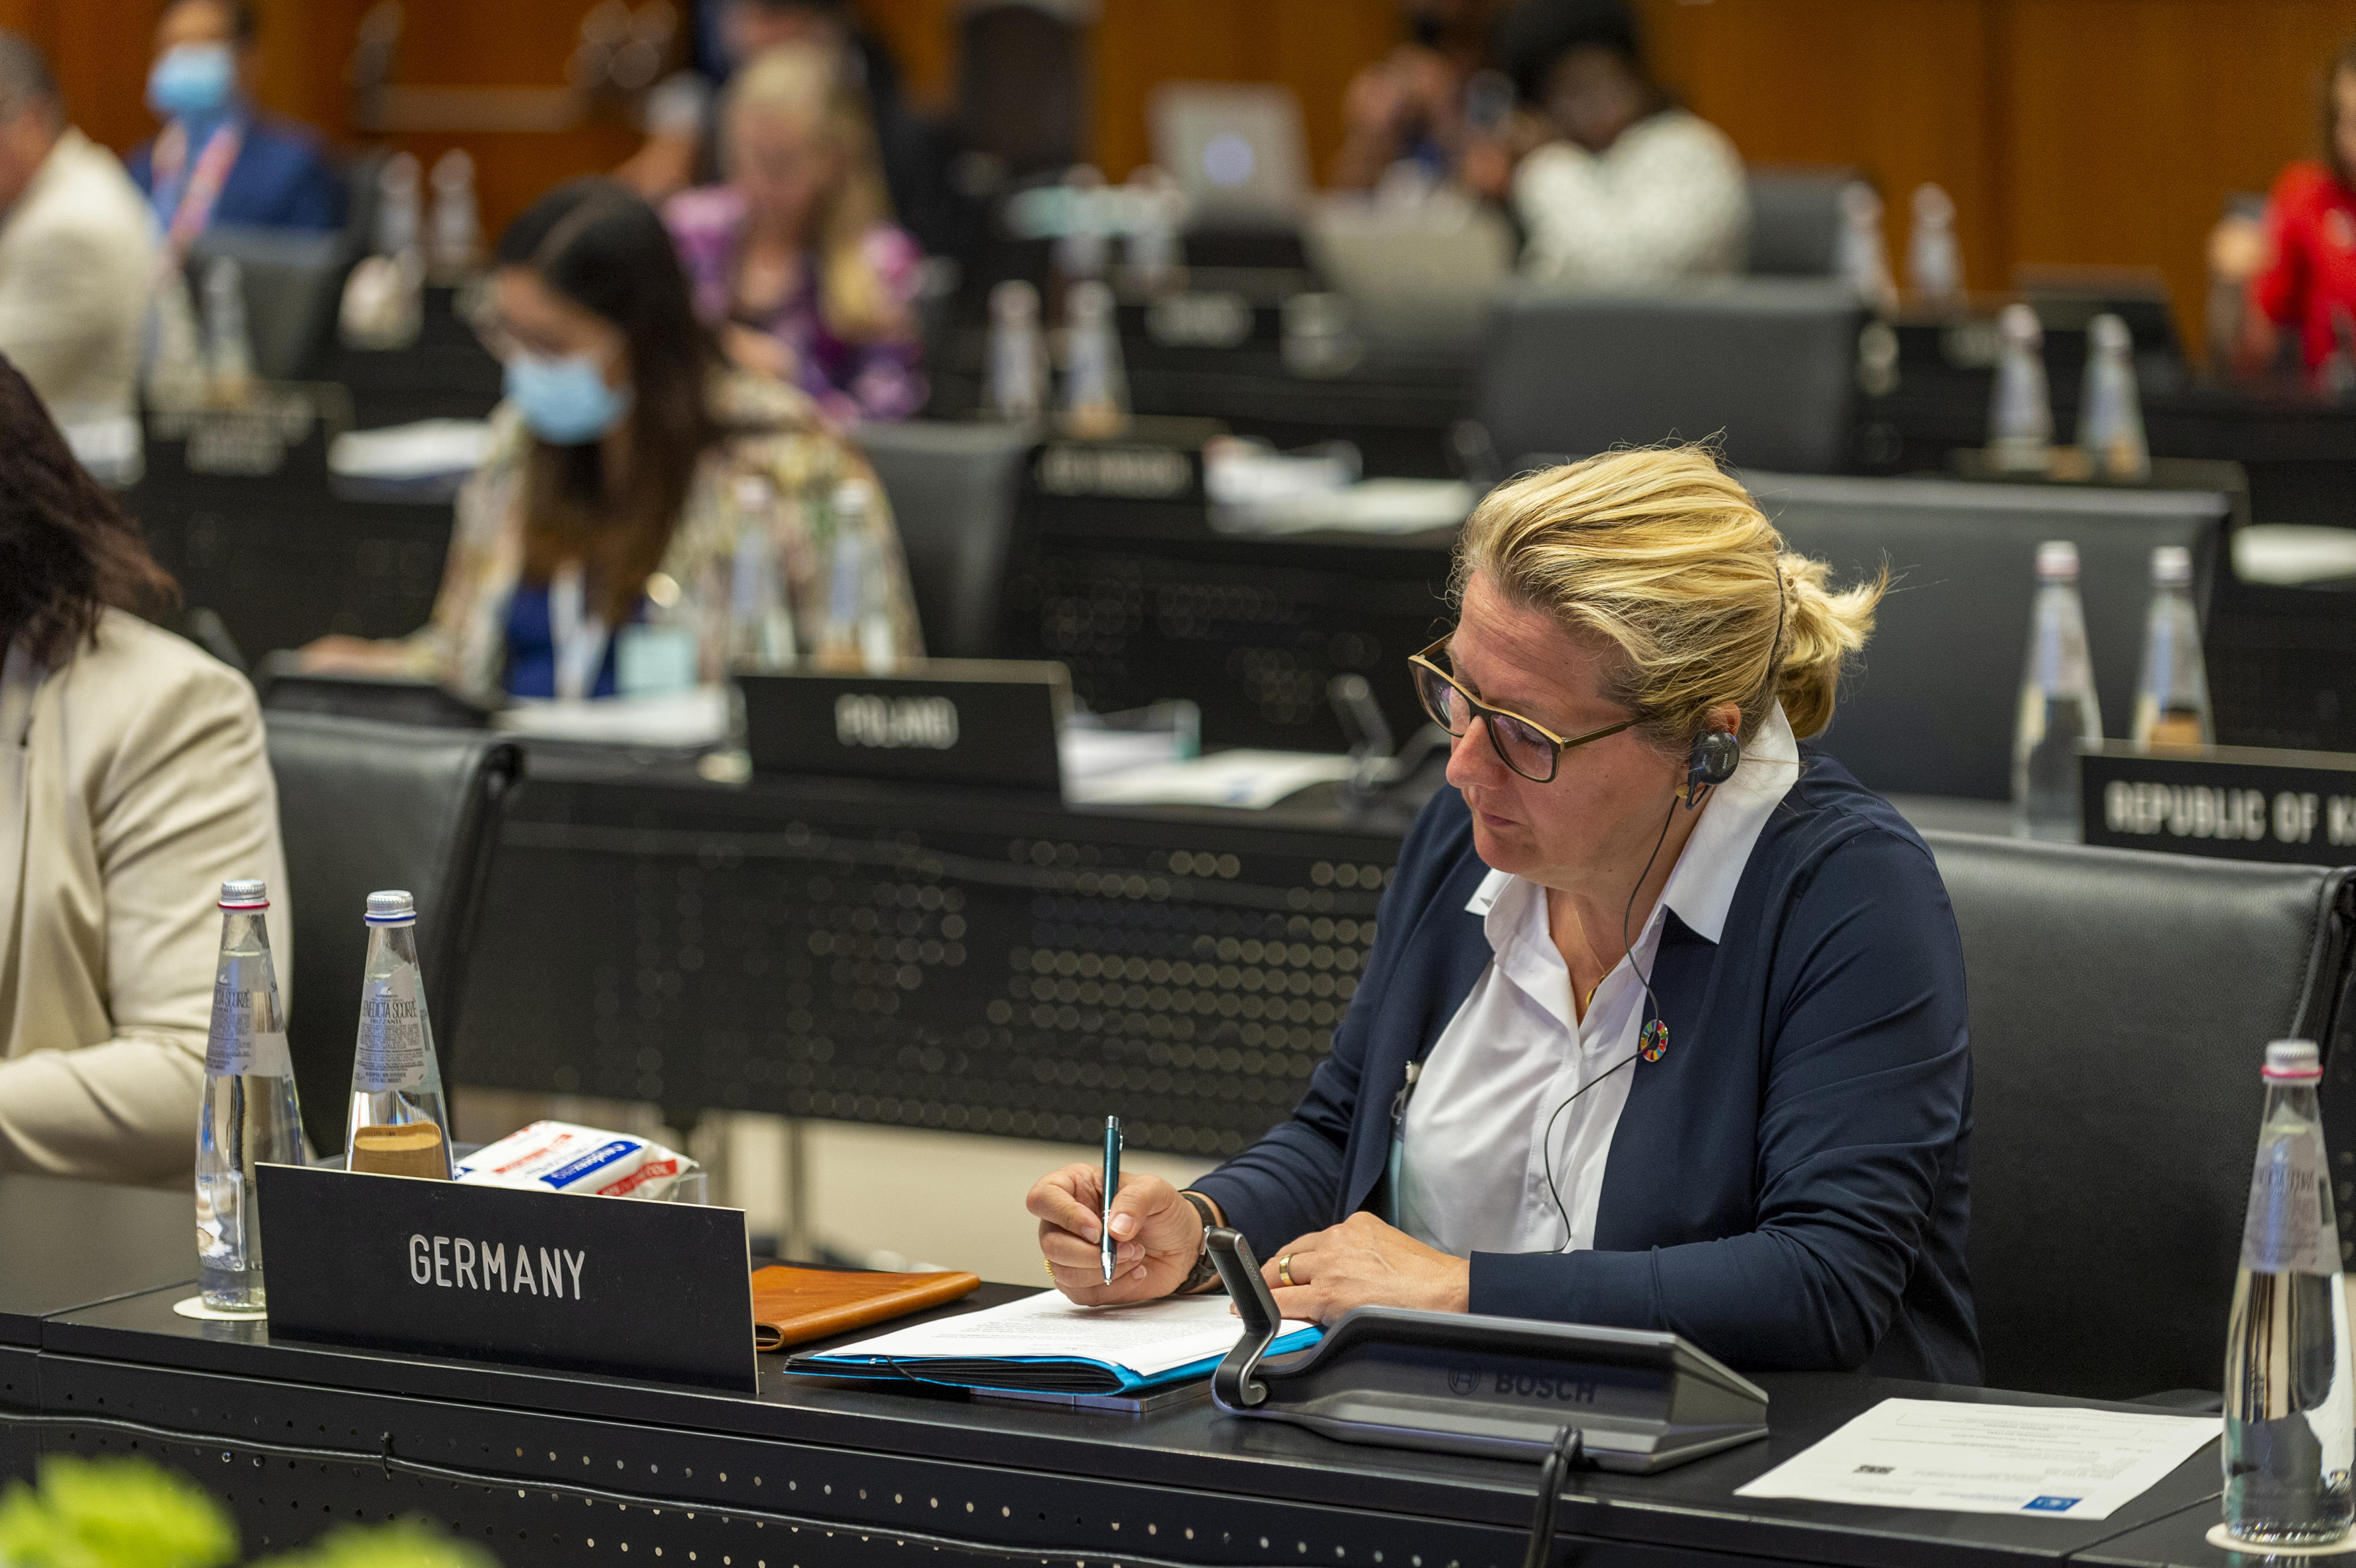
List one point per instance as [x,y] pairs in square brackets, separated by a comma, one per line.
[1149,1338]
[1990,1458]
[1238,778]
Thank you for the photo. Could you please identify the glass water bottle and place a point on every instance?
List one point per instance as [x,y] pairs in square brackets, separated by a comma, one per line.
[2059,712]
[1018,358]
[2021,410]
[249,1114]
[2110,409]
[1934,260]
[2290,1411]
[2172,692]
[396,1078]
[1095,388]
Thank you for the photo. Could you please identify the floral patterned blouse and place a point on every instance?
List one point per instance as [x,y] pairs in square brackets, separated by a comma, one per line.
[850,381]
[776,441]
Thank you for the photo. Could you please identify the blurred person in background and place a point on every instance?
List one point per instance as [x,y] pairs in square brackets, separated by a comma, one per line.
[132,783]
[76,253]
[219,159]
[2297,264]
[683,113]
[1410,105]
[625,466]
[796,261]
[1617,186]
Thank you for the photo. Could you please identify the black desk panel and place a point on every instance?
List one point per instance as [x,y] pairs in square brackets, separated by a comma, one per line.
[284,559]
[862,1474]
[66,1244]
[1143,601]
[929,958]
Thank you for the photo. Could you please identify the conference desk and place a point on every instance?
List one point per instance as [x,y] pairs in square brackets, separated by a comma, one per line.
[944,957]
[572,1468]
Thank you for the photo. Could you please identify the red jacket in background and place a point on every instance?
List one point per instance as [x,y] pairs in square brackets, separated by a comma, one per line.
[2311,280]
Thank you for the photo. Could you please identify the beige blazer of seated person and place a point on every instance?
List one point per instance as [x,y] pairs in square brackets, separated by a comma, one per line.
[132,783]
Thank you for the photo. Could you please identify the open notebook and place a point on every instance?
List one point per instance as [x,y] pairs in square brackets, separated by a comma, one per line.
[1046,1344]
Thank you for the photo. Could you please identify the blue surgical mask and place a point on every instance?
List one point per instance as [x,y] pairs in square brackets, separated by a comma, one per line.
[566,401]
[192,82]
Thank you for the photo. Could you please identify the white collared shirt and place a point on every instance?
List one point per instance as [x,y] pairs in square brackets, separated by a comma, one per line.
[1473,1172]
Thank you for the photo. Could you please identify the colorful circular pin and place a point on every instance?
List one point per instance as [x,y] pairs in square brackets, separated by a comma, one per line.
[1653,1043]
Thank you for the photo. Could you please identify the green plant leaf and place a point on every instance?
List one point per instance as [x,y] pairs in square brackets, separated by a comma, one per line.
[403,1544]
[114,1513]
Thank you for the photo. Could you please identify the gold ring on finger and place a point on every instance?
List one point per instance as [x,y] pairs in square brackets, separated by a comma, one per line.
[1284,1270]
[1051,1269]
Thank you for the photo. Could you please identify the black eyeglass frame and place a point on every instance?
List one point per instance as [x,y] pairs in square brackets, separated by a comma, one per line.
[1484,711]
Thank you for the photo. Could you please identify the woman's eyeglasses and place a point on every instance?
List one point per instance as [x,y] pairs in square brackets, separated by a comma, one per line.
[1526,746]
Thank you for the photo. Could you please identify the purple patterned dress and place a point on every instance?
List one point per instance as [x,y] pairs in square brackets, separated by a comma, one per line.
[850,381]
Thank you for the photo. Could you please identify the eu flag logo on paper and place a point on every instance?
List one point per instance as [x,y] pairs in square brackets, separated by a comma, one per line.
[2051,1504]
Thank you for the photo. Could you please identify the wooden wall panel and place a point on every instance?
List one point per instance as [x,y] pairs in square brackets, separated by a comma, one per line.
[2131,121]
[1896,88]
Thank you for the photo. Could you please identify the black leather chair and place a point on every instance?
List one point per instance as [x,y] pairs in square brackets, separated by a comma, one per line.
[364,806]
[1932,709]
[2121,1003]
[1795,221]
[1769,363]
[953,490]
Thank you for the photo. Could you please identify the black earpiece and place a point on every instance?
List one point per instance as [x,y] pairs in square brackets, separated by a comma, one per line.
[1716,754]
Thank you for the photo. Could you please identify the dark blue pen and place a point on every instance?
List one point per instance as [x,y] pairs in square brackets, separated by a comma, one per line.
[1112,1185]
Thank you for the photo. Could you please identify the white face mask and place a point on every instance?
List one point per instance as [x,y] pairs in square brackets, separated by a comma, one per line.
[192,82]
[566,401]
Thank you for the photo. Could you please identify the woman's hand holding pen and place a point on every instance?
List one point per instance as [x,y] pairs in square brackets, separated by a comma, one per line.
[1158,1235]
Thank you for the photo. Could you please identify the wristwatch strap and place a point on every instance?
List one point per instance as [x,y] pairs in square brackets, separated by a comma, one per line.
[1204,1271]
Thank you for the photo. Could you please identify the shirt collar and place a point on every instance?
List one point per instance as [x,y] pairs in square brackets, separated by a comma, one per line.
[1701,887]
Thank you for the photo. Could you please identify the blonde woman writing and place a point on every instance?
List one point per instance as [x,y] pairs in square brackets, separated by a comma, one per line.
[796,260]
[1684,1002]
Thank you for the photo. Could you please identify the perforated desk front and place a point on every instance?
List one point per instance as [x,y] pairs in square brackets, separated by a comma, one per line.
[923,957]
[297,1437]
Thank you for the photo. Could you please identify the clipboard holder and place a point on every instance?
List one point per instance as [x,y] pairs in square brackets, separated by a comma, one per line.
[1507,1388]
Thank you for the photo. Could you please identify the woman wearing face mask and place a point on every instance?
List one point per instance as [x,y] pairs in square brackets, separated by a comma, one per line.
[796,260]
[219,159]
[628,470]
[1665,1026]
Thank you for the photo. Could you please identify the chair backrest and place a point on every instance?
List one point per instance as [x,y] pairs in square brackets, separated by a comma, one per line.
[1795,221]
[953,490]
[293,283]
[1024,84]
[364,806]
[1771,362]
[1932,709]
[2121,1003]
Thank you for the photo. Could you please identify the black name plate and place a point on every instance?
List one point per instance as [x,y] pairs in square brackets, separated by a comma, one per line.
[948,721]
[2234,802]
[619,1285]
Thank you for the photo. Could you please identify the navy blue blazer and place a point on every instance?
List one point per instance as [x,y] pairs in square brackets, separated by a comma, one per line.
[1788,1187]
[282,180]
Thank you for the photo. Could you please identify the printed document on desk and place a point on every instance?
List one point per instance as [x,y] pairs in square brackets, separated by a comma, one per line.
[1247,779]
[1049,1343]
[1990,1458]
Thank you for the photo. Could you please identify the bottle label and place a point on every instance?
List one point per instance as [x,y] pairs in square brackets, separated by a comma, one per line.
[392,1044]
[232,1044]
[2284,1233]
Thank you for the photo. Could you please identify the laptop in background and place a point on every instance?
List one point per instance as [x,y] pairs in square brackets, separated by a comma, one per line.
[1236,148]
[1419,276]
